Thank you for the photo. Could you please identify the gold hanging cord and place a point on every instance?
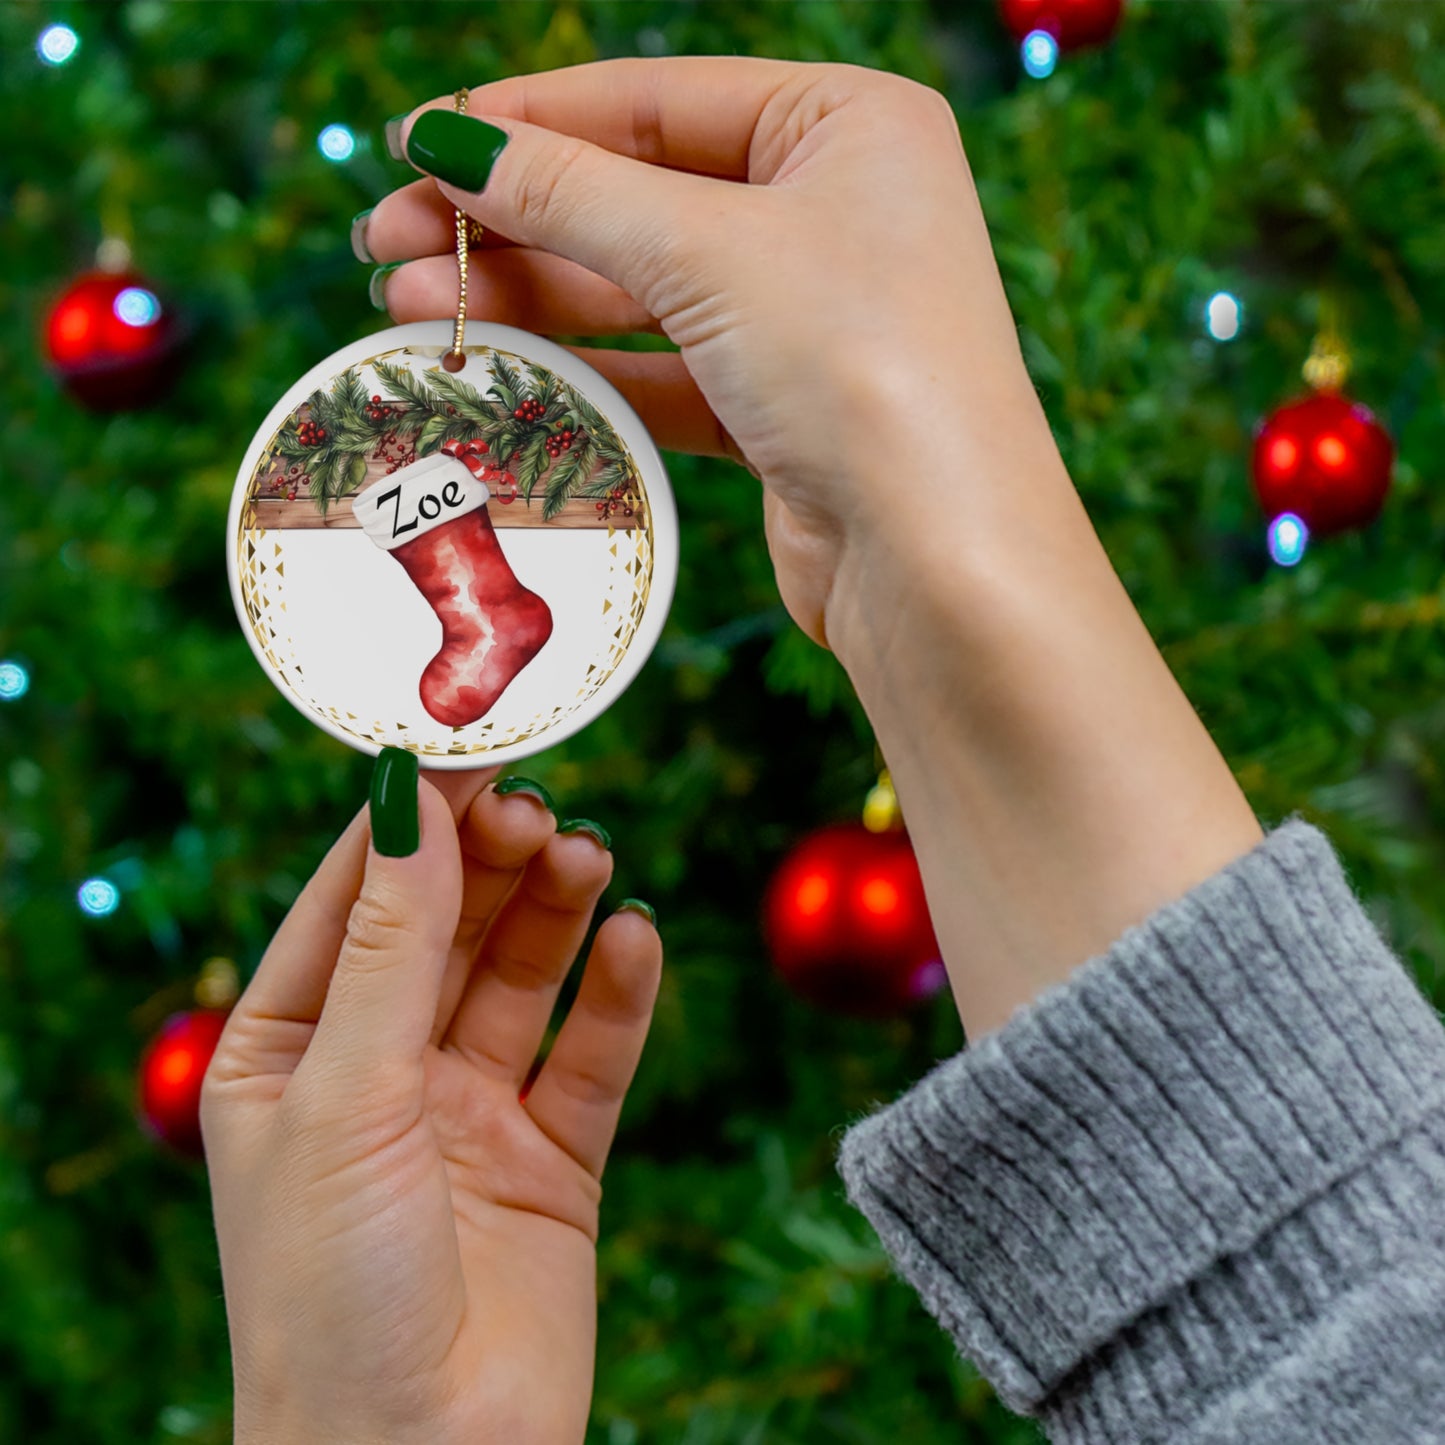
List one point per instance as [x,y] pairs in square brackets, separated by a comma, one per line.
[1328,366]
[469,233]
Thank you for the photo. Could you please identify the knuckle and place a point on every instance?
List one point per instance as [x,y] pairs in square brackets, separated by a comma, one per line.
[521,971]
[542,186]
[374,933]
[924,102]
[587,1086]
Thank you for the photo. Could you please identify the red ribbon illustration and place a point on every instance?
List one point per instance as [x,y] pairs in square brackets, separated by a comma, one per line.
[470,454]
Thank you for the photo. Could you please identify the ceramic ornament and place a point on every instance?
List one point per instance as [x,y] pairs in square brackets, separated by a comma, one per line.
[471,564]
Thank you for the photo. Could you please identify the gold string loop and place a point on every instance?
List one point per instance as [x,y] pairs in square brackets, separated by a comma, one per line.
[469,233]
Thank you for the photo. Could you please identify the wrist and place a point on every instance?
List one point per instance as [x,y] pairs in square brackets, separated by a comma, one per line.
[1057,784]
[938,532]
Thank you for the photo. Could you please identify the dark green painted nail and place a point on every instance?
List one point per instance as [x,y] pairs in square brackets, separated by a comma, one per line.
[525,785]
[376,289]
[395,824]
[393,136]
[358,236]
[586,825]
[455,148]
[636,905]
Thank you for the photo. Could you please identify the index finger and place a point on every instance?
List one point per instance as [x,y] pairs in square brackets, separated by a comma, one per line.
[696,113]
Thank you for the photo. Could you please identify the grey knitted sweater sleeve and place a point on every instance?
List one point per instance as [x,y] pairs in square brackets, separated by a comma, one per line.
[1195,1193]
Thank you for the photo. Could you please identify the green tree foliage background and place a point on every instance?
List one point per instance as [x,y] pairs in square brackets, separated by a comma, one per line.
[1287,152]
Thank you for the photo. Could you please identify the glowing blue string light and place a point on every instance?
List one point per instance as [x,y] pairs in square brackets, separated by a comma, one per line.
[57,44]
[1223,316]
[1040,52]
[137,307]
[336,143]
[1288,538]
[98,897]
[14,681]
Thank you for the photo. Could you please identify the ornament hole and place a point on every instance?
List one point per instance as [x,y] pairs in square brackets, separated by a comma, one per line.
[454,360]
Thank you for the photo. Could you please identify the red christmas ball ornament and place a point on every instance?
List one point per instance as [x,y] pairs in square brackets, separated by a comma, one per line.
[1324,458]
[847,923]
[1073,23]
[111,341]
[171,1071]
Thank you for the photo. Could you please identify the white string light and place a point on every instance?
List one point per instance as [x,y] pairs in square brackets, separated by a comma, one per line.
[57,44]
[336,143]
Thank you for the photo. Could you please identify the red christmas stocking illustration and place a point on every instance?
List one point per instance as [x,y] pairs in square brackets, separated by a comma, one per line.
[432,517]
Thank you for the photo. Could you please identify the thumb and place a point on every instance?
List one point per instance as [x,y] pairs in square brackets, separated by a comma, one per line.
[628,221]
[382,1000]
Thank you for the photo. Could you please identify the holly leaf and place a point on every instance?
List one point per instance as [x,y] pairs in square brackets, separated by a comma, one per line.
[531,465]
[355,473]
[433,433]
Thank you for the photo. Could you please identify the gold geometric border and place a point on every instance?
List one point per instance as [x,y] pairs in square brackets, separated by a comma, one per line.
[251,543]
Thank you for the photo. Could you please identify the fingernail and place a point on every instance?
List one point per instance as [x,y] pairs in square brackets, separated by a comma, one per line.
[393,136]
[586,825]
[636,905]
[376,289]
[359,248]
[395,821]
[455,148]
[525,785]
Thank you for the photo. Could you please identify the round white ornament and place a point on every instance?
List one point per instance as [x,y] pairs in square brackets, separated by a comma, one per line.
[471,565]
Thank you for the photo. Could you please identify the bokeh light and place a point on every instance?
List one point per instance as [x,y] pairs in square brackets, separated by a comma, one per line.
[14,681]
[98,897]
[57,44]
[336,143]
[1040,52]
[1288,538]
[1223,316]
[879,897]
[137,307]
[813,894]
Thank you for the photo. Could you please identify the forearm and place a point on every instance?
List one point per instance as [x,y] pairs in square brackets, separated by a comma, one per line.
[1056,782]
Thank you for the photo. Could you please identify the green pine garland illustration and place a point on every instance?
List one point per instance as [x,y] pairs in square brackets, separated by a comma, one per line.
[535,425]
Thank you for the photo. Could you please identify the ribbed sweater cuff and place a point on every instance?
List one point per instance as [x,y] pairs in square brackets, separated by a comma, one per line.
[1134,1154]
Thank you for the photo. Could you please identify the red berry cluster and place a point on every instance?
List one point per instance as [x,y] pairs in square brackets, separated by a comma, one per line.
[377,412]
[529,411]
[309,434]
[395,451]
[285,485]
[559,442]
[618,500]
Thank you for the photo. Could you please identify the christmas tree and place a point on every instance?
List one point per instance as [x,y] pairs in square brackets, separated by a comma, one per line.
[1180,214]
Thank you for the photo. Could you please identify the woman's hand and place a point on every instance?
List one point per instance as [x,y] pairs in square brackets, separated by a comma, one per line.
[810,237]
[840,316]
[408,1248]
